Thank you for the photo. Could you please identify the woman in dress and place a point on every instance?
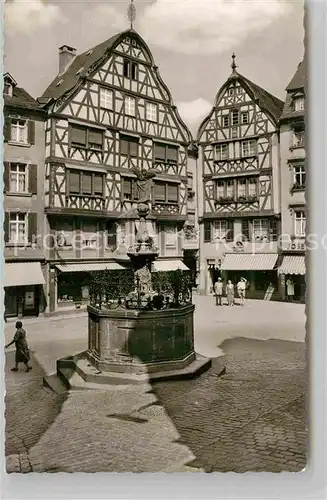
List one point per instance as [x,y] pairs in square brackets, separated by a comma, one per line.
[230,293]
[22,350]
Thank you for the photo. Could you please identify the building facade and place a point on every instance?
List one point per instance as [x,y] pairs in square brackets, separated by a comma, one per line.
[110,119]
[239,200]
[23,176]
[293,182]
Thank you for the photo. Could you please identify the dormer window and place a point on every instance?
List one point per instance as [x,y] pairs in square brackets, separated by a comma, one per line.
[298,103]
[7,89]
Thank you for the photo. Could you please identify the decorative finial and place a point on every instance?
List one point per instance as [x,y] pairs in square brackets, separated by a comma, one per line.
[131,13]
[233,65]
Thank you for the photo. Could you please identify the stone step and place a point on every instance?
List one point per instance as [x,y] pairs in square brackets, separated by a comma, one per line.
[55,383]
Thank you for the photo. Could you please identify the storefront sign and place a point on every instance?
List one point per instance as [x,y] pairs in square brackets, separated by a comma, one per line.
[296,245]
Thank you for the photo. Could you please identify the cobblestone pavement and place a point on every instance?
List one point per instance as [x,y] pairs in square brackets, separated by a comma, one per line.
[252,418]
[30,409]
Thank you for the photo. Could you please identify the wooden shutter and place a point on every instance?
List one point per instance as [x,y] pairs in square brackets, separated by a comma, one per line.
[245,229]
[159,191]
[172,152]
[160,151]
[74,181]
[95,138]
[133,147]
[32,179]
[31,132]
[6,227]
[127,188]
[32,227]
[207,231]
[6,176]
[87,183]
[172,193]
[124,146]
[230,230]
[98,184]
[78,135]
[7,129]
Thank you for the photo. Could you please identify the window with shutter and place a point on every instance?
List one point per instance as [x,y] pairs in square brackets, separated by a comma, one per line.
[172,153]
[124,146]
[159,191]
[207,232]
[95,139]
[78,136]
[126,66]
[133,71]
[18,178]
[160,151]
[98,184]
[172,193]
[31,132]
[74,182]
[133,147]
[18,228]
[19,131]
[129,146]
[127,189]
[86,183]
[7,129]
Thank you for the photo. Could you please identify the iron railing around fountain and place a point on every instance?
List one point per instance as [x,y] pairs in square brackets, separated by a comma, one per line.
[119,289]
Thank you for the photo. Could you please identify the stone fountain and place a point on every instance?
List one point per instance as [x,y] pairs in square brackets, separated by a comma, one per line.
[143,339]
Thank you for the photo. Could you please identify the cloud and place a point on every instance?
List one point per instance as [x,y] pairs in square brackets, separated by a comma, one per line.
[104,15]
[207,26]
[26,16]
[192,112]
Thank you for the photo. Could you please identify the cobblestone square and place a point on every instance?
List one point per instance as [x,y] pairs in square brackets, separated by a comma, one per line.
[251,418]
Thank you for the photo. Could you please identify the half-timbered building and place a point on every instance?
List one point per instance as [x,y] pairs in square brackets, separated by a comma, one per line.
[23,177]
[109,116]
[293,185]
[240,197]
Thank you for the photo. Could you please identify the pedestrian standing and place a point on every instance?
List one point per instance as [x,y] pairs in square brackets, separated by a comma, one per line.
[290,290]
[241,286]
[22,351]
[218,292]
[230,293]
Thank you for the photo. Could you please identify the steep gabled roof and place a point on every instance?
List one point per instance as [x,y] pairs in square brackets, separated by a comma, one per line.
[298,80]
[266,100]
[85,61]
[21,99]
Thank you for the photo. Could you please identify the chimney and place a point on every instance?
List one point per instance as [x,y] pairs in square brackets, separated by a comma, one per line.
[66,56]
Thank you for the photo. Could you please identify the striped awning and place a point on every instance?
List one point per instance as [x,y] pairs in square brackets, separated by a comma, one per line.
[89,266]
[23,274]
[249,261]
[169,265]
[292,264]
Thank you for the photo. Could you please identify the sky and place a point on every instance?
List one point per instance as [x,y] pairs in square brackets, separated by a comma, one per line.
[191,41]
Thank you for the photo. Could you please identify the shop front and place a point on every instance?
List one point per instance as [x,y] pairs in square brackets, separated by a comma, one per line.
[24,293]
[291,273]
[258,269]
[69,284]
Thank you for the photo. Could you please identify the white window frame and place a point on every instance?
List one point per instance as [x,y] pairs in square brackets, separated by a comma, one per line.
[130,105]
[245,114]
[260,229]
[151,110]
[14,172]
[19,131]
[17,219]
[299,171]
[249,148]
[222,151]
[299,223]
[220,229]
[299,103]
[106,98]
[7,86]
